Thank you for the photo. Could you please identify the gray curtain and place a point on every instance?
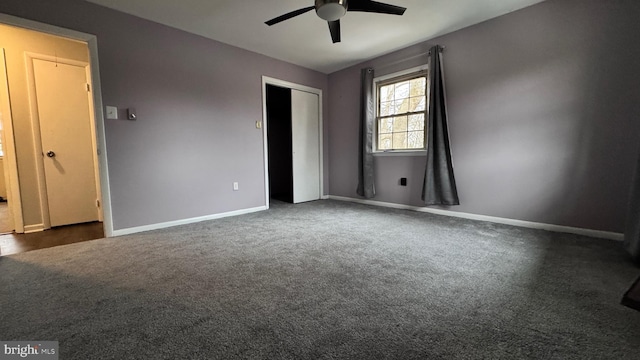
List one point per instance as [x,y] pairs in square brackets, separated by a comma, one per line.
[439,187]
[632,231]
[366,186]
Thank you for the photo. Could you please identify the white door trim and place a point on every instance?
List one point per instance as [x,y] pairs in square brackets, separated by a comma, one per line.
[286,84]
[92,43]
[8,144]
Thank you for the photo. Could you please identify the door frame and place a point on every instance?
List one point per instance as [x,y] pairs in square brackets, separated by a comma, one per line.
[286,84]
[96,92]
[8,145]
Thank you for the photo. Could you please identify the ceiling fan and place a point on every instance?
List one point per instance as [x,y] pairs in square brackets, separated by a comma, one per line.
[333,10]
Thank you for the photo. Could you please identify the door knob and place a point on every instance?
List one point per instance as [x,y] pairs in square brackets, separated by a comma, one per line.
[51,154]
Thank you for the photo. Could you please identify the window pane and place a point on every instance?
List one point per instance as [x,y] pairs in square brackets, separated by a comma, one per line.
[402,90]
[417,104]
[401,106]
[418,86]
[385,126]
[396,129]
[416,122]
[385,108]
[386,93]
[385,141]
[415,139]
[400,124]
[400,140]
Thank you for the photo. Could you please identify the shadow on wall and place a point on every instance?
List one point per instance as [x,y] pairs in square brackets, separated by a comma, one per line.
[607,150]
[545,133]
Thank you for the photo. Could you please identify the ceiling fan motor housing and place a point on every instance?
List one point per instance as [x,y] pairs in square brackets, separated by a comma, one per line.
[331,10]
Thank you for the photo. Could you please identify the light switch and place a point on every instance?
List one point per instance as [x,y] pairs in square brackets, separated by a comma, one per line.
[112,112]
[131,114]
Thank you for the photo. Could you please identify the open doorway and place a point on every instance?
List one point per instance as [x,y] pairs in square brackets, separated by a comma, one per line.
[293,141]
[279,143]
[52,137]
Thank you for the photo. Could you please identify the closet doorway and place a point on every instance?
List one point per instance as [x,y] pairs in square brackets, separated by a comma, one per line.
[293,141]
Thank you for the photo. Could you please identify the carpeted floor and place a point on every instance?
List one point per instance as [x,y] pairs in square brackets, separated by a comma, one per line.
[326,280]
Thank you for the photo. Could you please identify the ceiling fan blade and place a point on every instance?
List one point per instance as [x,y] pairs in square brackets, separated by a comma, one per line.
[375,7]
[289,15]
[334,28]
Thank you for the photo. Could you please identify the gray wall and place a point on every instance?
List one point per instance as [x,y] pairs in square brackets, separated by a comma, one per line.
[544,107]
[197,102]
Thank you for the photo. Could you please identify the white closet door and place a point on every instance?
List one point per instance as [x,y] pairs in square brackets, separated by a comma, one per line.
[305,119]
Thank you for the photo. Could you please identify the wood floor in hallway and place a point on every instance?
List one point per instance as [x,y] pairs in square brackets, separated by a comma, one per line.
[63,235]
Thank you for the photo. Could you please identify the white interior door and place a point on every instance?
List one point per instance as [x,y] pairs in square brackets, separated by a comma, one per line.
[64,115]
[305,119]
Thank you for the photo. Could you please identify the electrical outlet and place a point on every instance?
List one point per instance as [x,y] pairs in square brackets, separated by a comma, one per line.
[235,186]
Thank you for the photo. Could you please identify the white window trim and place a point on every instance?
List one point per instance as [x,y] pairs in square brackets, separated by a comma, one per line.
[376,80]
[400,153]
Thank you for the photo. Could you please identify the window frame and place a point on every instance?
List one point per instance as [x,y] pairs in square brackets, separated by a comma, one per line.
[391,78]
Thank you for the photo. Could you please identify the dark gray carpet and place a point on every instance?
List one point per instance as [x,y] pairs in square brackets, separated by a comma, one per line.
[326,280]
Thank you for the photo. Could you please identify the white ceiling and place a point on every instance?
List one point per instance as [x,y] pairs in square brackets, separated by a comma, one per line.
[305,40]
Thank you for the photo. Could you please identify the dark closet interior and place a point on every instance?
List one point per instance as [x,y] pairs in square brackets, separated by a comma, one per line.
[279,143]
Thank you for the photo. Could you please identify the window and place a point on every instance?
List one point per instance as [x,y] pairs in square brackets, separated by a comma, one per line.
[401,112]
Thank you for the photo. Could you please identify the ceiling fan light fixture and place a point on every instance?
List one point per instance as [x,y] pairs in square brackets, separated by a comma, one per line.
[331,10]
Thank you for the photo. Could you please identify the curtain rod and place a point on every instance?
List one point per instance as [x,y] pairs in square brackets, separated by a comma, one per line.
[441,49]
[407,59]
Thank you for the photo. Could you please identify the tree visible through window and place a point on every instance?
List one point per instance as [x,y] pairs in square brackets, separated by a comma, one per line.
[401,112]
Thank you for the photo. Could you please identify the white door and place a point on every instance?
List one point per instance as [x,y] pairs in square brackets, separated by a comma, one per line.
[305,119]
[64,115]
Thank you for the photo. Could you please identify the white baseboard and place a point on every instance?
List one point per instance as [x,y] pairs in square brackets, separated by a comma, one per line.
[494,219]
[167,224]
[33,228]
